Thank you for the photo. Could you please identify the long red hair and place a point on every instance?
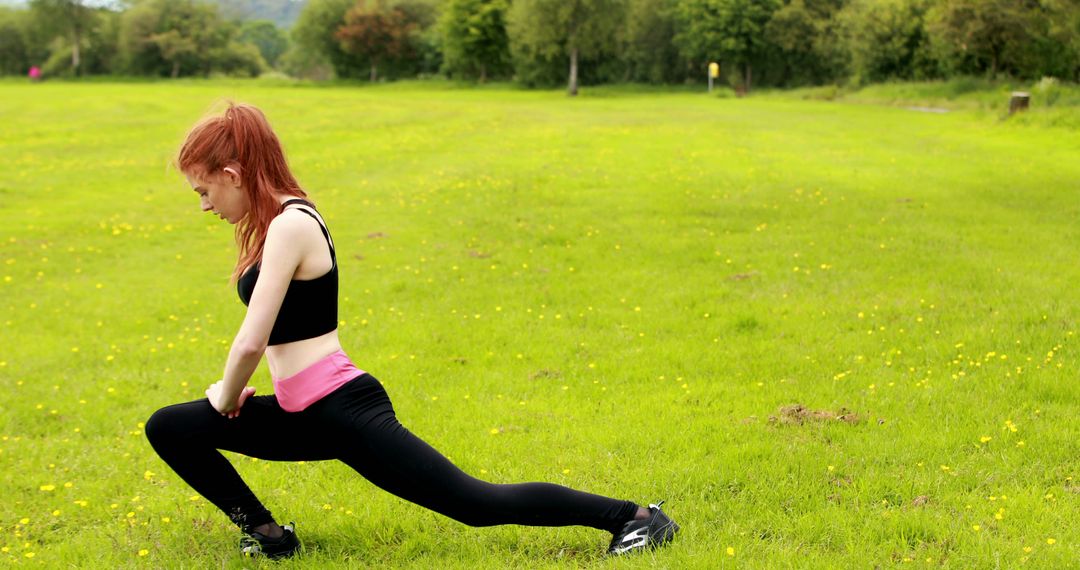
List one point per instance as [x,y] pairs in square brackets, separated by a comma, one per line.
[242,136]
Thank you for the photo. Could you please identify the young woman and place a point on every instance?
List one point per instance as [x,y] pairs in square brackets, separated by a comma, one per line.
[323,407]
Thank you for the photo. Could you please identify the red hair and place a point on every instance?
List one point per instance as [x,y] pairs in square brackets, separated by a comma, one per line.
[242,136]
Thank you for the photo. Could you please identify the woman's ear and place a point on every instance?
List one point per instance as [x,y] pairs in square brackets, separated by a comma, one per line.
[234,176]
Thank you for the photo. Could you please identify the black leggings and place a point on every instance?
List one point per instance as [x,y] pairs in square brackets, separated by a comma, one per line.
[356,424]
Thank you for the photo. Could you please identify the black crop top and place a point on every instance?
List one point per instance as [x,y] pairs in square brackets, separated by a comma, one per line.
[309,308]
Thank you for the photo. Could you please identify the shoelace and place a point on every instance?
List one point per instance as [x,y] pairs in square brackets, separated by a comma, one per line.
[654,511]
[250,545]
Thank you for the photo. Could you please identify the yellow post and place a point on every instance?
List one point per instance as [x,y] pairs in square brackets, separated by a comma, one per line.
[714,72]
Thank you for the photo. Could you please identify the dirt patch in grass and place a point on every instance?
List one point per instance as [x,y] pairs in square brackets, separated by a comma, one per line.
[844,481]
[799,414]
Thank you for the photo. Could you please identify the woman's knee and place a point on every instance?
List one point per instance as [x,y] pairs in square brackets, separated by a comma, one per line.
[159,426]
[169,422]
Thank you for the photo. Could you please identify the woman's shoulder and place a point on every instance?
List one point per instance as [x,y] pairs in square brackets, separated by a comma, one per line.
[289,238]
[293,225]
[301,211]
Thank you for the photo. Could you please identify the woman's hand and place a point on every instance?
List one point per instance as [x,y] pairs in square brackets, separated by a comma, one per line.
[229,409]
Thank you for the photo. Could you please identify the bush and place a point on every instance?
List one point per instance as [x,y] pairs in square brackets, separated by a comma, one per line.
[238,59]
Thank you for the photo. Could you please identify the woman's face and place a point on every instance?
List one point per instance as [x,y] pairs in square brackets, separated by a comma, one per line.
[221,194]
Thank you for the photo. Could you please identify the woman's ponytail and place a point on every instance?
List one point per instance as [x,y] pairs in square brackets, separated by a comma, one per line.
[242,137]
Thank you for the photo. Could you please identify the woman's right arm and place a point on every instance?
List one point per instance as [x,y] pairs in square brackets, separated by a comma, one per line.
[287,239]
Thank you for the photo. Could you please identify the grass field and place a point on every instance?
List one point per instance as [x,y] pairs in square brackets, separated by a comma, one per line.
[627,293]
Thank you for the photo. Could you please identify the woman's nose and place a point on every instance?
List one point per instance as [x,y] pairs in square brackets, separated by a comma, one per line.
[205,204]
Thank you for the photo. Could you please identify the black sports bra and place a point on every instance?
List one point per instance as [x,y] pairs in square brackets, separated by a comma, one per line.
[309,308]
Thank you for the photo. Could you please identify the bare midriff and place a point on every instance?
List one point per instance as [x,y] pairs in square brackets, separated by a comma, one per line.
[287,359]
[309,385]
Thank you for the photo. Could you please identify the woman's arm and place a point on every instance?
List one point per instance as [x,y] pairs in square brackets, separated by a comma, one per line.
[287,240]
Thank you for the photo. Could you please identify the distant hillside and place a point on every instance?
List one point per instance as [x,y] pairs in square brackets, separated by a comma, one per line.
[283,13]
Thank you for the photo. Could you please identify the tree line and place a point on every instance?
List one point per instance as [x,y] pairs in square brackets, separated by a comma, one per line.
[782,43]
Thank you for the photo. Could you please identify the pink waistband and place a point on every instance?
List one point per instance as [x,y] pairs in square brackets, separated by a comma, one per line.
[312,383]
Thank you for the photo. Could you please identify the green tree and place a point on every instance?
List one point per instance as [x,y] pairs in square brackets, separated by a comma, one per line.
[236,58]
[474,38]
[182,37]
[646,43]
[173,38]
[731,30]
[313,36]
[174,48]
[70,18]
[50,41]
[14,54]
[301,62]
[270,39]
[425,51]
[887,39]
[807,38]
[988,36]
[1061,34]
[376,33]
[569,29]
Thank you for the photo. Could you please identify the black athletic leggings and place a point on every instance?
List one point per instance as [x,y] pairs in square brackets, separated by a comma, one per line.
[356,424]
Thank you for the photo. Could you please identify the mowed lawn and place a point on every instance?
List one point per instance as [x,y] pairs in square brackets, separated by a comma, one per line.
[628,293]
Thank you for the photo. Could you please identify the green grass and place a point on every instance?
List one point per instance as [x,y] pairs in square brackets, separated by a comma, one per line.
[627,288]
[1053,103]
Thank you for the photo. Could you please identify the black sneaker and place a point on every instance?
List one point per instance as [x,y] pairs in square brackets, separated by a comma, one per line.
[258,544]
[644,534]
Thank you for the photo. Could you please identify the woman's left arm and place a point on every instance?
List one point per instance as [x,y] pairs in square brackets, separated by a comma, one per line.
[282,253]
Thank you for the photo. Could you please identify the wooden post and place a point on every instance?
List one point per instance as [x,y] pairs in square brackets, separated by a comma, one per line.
[1019,101]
